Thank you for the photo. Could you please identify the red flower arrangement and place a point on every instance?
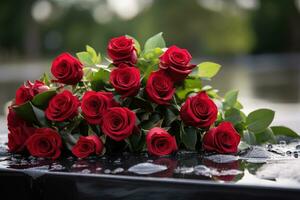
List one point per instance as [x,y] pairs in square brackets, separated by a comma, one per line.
[148,99]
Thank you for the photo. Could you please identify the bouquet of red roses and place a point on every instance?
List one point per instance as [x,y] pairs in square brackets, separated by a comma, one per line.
[146,99]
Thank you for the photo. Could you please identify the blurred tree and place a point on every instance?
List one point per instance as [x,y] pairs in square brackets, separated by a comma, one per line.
[276,27]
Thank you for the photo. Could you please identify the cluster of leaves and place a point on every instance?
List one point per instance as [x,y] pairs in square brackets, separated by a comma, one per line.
[254,128]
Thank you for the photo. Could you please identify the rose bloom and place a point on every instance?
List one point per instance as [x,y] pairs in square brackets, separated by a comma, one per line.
[176,62]
[121,50]
[160,142]
[94,104]
[126,80]
[63,106]
[199,111]
[27,91]
[87,145]
[67,69]
[45,142]
[222,139]
[19,132]
[118,123]
[160,88]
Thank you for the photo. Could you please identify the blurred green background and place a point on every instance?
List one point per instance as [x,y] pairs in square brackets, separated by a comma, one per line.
[256,41]
[43,28]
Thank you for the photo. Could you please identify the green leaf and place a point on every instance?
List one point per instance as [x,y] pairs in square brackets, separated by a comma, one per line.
[234,116]
[40,116]
[154,119]
[100,79]
[208,69]
[258,120]
[25,112]
[41,100]
[230,99]
[154,42]
[249,137]
[45,79]
[191,85]
[96,58]
[285,131]
[169,117]
[85,58]
[265,136]
[136,43]
[189,137]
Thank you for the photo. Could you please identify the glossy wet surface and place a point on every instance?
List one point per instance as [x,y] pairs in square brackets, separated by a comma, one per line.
[270,165]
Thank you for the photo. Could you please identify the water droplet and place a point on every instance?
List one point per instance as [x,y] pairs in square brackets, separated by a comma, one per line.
[202,170]
[86,171]
[57,167]
[269,146]
[298,146]
[107,171]
[98,169]
[184,170]
[295,154]
[147,168]
[117,170]
[221,158]
[288,153]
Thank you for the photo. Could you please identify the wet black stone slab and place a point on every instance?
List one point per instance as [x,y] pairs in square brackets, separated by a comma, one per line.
[59,185]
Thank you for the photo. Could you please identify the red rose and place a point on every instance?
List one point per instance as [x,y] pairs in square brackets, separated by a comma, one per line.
[62,107]
[160,88]
[67,69]
[118,123]
[19,132]
[160,142]
[222,139]
[176,62]
[87,145]
[45,142]
[27,91]
[121,49]
[199,111]
[94,104]
[126,80]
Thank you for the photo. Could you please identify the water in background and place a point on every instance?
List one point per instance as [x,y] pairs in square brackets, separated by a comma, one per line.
[269,81]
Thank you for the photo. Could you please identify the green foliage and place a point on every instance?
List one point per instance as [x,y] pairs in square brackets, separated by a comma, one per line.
[100,79]
[284,131]
[190,85]
[259,120]
[189,137]
[31,114]
[156,41]
[208,69]
[89,58]
[41,100]
[234,116]
[230,99]
[265,136]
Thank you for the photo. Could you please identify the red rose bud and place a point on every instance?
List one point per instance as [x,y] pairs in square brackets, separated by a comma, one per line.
[45,142]
[160,142]
[118,123]
[94,104]
[63,106]
[122,50]
[27,91]
[160,88]
[199,111]
[222,139]
[126,80]
[87,145]
[67,69]
[19,132]
[176,62]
